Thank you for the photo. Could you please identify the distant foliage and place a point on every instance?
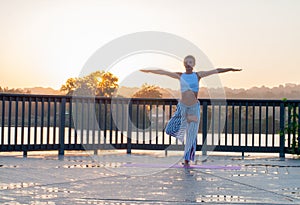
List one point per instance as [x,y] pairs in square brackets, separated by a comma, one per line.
[14,90]
[98,83]
[148,91]
[289,90]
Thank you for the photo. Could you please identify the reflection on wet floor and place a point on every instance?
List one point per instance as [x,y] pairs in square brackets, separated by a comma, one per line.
[92,165]
[8,166]
[295,191]
[5,186]
[221,198]
[199,199]
[170,186]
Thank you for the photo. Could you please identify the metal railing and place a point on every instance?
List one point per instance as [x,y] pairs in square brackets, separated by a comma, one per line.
[44,122]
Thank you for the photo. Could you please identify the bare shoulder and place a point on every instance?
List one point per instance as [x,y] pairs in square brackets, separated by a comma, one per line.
[200,74]
[203,74]
[175,75]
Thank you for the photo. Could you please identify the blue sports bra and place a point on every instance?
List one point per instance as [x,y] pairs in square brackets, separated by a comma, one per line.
[189,82]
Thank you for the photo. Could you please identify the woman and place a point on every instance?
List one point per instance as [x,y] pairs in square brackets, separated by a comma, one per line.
[188,107]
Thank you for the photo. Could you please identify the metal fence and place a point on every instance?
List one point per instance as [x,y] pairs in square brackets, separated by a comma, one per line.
[42,122]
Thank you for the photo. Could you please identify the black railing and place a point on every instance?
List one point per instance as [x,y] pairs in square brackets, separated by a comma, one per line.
[40,122]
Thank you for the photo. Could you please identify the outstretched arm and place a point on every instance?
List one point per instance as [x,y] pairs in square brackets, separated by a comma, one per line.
[203,74]
[163,72]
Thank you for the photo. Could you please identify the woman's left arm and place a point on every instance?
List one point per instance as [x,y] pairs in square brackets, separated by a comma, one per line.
[203,74]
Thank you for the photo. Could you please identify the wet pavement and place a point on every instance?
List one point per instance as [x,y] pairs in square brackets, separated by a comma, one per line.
[107,179]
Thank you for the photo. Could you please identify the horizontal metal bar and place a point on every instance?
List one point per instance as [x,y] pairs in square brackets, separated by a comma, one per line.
[105,123]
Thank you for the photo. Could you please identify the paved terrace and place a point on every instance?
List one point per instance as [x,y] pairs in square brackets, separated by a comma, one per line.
[105,179]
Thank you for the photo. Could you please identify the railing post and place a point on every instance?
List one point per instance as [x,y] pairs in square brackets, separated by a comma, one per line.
[129,128]
[204,129]
[61,150]
[282,131]
[25,153]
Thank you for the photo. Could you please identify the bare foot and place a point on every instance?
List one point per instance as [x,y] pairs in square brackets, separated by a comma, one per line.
[191,118]
[186,163]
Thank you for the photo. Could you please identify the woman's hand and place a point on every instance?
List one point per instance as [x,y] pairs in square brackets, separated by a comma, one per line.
[234,69]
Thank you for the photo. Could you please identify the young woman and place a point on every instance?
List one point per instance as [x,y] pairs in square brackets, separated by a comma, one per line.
[188,107]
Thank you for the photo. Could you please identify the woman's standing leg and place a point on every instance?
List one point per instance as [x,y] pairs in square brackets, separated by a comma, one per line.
[192,133]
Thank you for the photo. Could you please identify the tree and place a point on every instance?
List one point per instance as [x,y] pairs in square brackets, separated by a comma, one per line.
[98,83]
[106,85]
[148,91]
[69,86]
[141,118]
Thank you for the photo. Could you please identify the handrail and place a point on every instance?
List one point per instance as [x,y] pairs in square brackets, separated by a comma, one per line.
[57,122]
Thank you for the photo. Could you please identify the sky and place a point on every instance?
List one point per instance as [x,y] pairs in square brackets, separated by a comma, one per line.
[45,42]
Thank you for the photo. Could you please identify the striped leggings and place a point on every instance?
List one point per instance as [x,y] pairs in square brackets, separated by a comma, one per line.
[191,129]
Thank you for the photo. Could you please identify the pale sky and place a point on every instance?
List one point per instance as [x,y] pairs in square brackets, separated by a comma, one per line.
[45,42]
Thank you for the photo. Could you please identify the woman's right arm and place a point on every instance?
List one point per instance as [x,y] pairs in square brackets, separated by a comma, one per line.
[163,72]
